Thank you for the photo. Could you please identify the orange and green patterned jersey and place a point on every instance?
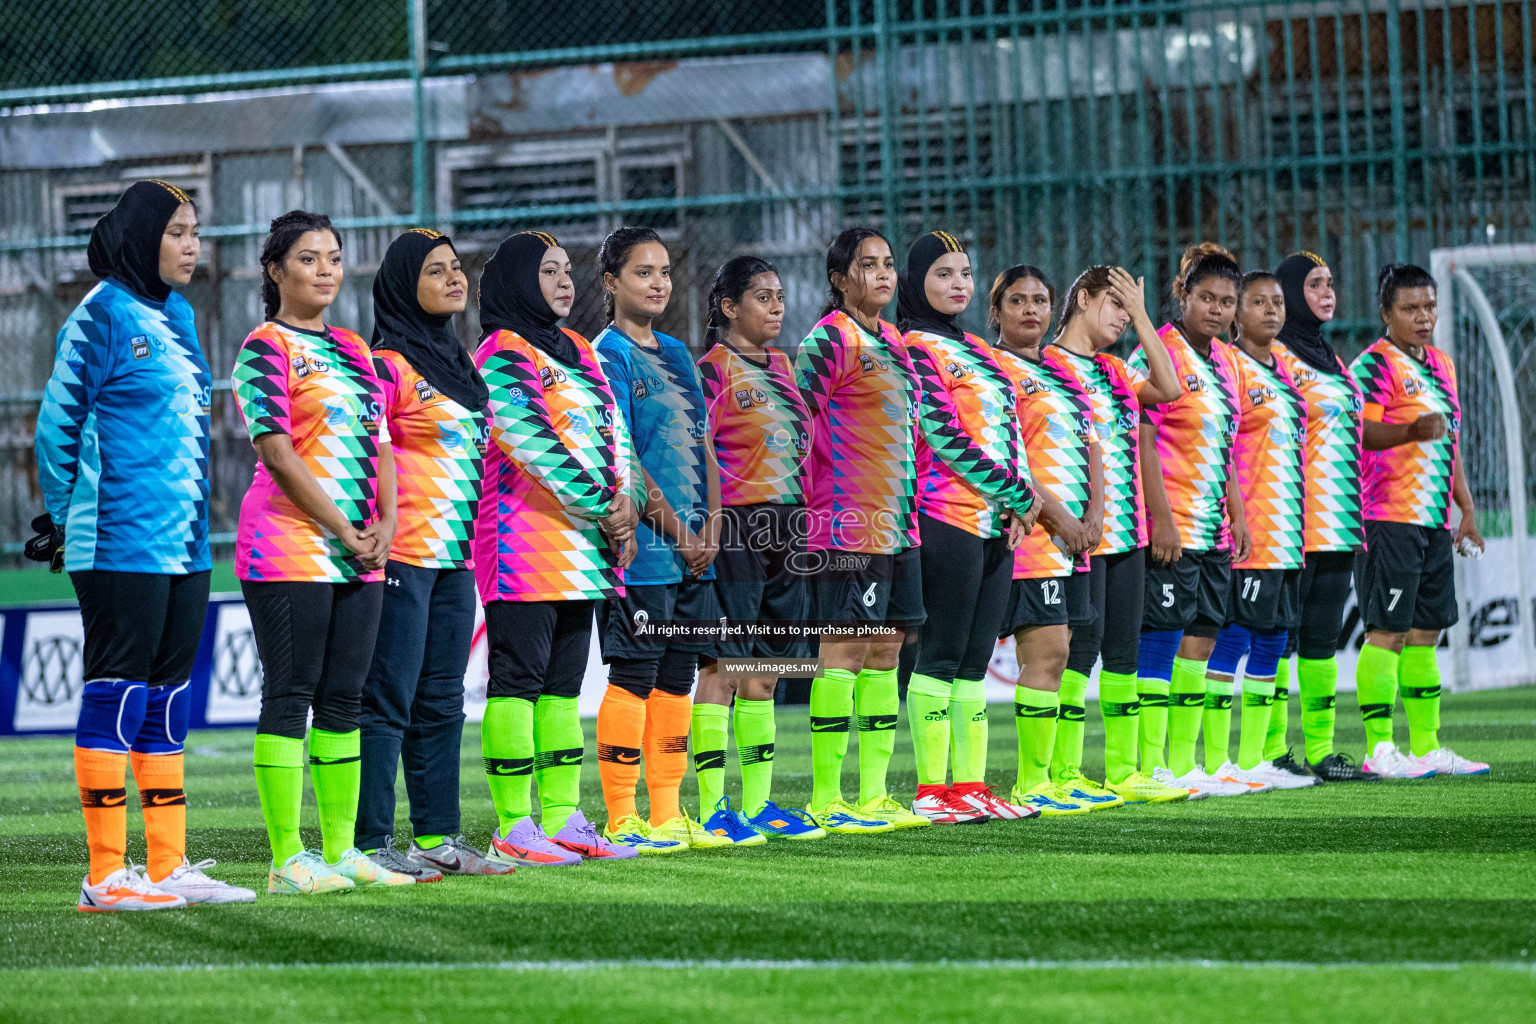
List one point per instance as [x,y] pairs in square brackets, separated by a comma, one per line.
[759,424]
[1268,457]
[1411,483]
[1194,438]
[319,388]
[971,474]
[1332,467]
[438,447]
[561,453]
[1111,389]
[1055,432]
[863,400]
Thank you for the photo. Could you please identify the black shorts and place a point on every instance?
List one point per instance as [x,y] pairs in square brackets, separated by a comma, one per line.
[1405,579]
[139,626]
[1194,594]
[691,600]
[1266,598]
[759,576]
[851,588]
[1048,601]
[537,648]
[315,642]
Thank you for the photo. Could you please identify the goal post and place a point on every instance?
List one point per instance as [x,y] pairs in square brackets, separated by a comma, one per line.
[1487,323]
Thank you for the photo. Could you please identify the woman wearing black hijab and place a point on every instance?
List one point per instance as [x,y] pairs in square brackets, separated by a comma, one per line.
[436,412]
[974,498]
[556,528]
[1333,526]
[122,458]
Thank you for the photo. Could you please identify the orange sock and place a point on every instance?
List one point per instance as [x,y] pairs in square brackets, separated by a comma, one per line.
[668,719]
[620,728]
[101,775]
[160,780]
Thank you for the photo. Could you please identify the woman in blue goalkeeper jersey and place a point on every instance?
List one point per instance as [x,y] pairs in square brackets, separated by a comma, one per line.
[122,458]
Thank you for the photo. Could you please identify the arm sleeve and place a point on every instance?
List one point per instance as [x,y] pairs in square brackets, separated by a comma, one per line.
[939,421]
[83,362]
[520,424]
[261,386]
[1377,387]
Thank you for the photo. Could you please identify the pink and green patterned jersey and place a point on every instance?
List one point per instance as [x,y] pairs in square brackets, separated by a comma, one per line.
[560,454]
[759,425]
[1332,467]
[863,400]
[320,388]
[1055,432]
[1411,483]
[970,474]
[1110,387]
[438,446]
[1195,433]
[1268,459]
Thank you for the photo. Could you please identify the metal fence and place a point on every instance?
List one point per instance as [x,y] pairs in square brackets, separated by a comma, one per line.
[1057,132]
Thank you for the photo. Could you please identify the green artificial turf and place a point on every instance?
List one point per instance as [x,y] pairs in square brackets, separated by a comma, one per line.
[1409,900]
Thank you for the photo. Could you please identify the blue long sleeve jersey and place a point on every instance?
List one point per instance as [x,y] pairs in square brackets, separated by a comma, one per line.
[122,436]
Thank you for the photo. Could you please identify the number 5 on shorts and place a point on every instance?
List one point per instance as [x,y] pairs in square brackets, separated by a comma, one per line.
[1167,595]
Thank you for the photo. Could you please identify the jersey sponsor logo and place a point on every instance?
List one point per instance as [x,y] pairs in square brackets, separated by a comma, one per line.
[1259,395]
[342,412]
[778,442]
[640,389]
[449,437]
[1193,383]
[1413,386]
[955,370]
[549,376]
[140,346]
[517,397]
[1033,387]
[483,435]
[425,392]
[895,411]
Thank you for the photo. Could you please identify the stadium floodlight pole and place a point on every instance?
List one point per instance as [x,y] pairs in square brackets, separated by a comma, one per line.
[1449,268]
[418,45]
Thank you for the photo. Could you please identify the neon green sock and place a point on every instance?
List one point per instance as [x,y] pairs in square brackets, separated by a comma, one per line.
[1070,723]
[506,743]
[1258,703]
[968,733]
[280,786]
[335,770]
[430,842]
[1275,743]
[1418,676]
[1186,706]
[1122,714]
[1319,682]
[558,745]
[928,719]
[711,731]
[1034,716]
[755,728]
[1376,690]
[1216,720]
[1153,696]
[876,703]
[831,708]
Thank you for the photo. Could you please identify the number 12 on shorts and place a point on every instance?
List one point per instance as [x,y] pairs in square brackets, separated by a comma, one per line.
[1050,591]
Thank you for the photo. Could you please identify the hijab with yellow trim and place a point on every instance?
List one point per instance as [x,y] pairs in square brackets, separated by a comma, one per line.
[511,299]
[125,244]
[913,311]
[1302,331]
[426,340]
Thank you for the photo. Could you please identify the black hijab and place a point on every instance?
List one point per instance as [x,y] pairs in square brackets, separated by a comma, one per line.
[511,299]
[426,340]
[125,244]
[1302,331]
[913,312]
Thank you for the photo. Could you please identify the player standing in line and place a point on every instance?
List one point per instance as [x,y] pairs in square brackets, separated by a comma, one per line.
[1334,531]
[1412,473]
[972,488]
[857,382]
[556,526]
[122,459]
[1048,598]
[1094,315]
[1186,455]
[1266,604]
[760,429]
[646,704]
[435,406]
[315,532]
